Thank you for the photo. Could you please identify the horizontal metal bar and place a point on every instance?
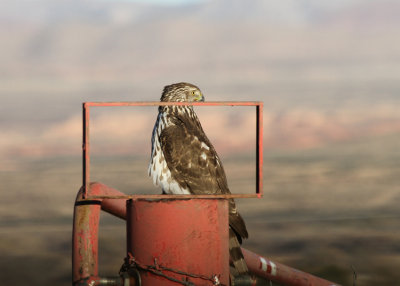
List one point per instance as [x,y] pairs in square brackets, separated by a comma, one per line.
[161,103]
[175,197]
[279,273]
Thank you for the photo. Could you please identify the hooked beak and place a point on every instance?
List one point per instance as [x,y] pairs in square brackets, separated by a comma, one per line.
[199,97]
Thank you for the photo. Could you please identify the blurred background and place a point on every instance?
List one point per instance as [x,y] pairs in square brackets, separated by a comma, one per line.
[328,73]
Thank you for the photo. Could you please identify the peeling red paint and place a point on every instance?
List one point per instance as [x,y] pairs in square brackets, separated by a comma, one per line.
[179,235]
[85,229]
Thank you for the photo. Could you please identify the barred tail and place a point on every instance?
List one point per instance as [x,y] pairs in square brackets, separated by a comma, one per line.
[236,253]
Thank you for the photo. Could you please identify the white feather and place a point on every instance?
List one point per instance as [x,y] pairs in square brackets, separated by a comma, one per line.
[203,145]
[158,168]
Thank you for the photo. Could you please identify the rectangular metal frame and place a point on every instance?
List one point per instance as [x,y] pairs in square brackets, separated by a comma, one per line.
[259,147]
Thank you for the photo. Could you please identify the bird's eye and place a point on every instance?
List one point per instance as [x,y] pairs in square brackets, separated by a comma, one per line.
[193,92]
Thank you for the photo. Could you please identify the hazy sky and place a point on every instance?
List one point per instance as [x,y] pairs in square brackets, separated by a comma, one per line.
[317,3]
[319,66]
[162,2]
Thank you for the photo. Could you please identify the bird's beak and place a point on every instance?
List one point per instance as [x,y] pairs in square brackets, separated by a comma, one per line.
[199,97]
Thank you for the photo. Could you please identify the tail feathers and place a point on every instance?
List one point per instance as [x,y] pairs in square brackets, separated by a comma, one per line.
[236,221]
[238,226]
[236,254]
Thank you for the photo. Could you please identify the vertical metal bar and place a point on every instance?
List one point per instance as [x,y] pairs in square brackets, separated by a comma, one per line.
[259,149]
[85,150]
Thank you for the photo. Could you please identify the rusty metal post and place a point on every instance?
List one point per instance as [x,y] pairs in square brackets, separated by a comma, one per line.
[85,231]
[179,240]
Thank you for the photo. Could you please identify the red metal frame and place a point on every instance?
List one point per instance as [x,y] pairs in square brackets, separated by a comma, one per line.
[94,197]
[85,243]
[259,146]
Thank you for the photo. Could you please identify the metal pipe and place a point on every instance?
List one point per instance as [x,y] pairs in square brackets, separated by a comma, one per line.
[86,226]
[104,281]
[280,273]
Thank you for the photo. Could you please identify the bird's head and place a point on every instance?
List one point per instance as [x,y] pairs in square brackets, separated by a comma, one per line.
[182,92]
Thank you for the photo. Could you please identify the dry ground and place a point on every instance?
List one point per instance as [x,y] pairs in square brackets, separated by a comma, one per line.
[324,210]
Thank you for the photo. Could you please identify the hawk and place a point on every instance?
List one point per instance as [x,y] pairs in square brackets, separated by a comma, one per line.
[183,160]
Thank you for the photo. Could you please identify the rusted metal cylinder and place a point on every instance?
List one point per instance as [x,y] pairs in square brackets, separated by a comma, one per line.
[179,240]
[85,231]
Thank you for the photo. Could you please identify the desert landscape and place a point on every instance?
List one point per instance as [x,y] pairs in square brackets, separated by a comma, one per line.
[327,73]
[324,210]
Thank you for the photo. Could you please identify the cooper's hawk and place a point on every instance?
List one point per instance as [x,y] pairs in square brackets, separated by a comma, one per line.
[183,160]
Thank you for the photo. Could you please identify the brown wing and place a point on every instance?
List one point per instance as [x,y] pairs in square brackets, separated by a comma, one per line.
[196,167]
[191,165]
